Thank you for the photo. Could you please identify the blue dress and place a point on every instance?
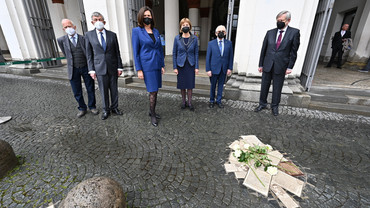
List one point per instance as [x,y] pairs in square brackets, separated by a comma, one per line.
[186,75]
[148,57]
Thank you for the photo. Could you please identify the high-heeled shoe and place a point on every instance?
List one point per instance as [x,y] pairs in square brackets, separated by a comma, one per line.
[156,115]
[154,121]
[183,105]
[191,107]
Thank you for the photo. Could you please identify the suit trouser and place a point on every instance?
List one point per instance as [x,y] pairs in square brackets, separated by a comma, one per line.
[77,88]
[333,54]
[108,85]
[277,86]
[220,80]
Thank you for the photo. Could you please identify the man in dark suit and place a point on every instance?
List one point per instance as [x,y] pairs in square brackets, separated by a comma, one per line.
[337,45]
[219,63]
[73,48]
[104,62]
[278,56]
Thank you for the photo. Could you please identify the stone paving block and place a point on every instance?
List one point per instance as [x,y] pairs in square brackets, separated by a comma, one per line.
[283,196]
[275,156]
[252,182]
[251,140]
[240,174]
[288,182]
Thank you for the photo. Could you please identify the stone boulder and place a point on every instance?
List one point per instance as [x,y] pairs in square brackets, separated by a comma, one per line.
[8,160]
[95,192]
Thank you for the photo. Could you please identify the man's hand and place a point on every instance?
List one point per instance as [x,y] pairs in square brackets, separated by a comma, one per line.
[119,72]
[93,76]
[288,71]
[163,70]
[260,69]
[196,71]
[140,74]
[209,73]
[176,71]
[229,72]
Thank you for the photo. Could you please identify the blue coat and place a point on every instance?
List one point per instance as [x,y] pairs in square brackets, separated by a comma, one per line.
[214,61]
[148,56]
[180,53]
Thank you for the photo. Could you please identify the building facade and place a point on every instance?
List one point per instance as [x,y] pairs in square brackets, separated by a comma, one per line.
[29,29]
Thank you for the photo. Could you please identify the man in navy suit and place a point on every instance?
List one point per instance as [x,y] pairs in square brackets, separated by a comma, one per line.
[104,62]
[219,63]
[278,56]
[73,48]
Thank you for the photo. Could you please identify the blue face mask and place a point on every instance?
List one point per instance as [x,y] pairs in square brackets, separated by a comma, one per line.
[70,31]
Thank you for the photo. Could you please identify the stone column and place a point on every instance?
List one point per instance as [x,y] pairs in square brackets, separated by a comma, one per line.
[360,51]
[193,6]
[171,20]
[204,19]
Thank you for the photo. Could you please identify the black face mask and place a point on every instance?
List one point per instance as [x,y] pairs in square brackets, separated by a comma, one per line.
[280,25]
[185,29]
[147,20]
[220,35]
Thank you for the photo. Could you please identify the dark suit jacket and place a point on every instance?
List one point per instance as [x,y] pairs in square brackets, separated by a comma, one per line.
[285,56]
[100,61]
[337,42]
[64,45]
[214,61]
[148,55]
[181,52]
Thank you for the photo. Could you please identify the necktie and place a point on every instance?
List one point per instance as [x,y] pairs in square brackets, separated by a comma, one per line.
[103,44]
[74,41]
[279,39]
[220,46]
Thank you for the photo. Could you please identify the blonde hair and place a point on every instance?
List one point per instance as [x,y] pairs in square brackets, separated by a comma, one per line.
[184,20]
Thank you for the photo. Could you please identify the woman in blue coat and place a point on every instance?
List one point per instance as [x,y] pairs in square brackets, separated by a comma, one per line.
[185,61]
[148,57]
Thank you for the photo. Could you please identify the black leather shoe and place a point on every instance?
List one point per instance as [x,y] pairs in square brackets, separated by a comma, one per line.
[157,116]
[220,105]
[275,111]
[259,108]
[154,121]
[191,107]
[104,115]
[211,105]
[117,112]
[183,105]
[81,113]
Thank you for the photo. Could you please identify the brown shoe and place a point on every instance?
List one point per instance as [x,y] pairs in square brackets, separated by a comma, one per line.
[95,111]
[80,114]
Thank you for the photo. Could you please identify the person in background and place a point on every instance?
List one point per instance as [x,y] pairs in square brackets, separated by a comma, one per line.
[219,63]
[148,57]
[337,45]
[73,47]
[185,61]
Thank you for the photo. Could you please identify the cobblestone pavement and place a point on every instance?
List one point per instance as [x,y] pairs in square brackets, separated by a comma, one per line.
[179,163]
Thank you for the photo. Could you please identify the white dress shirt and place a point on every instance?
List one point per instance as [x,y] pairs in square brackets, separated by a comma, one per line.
[99,35]
[76,38]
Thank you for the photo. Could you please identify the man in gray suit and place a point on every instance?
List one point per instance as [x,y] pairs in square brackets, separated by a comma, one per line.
[73,48]
[104,62]
[278,55]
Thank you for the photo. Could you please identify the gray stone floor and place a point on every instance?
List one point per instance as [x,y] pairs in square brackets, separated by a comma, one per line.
[179,163]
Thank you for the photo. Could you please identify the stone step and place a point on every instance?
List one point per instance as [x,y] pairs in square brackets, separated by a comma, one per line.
[351,96]
[340,108]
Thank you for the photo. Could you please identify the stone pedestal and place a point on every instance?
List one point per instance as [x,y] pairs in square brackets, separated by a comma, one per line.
[8,160]
[248,88]
[95,192]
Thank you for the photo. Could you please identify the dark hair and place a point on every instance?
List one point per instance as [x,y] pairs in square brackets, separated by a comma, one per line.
[140,16]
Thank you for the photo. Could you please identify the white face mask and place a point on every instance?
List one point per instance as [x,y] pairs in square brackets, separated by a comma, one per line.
[99,25]
[70,31]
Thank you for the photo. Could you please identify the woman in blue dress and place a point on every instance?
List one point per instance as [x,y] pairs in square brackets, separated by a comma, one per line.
[148,57]
[185,61]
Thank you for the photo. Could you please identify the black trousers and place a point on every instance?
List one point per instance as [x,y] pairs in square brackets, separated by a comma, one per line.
[108,86]
[336,51]
[277,86]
